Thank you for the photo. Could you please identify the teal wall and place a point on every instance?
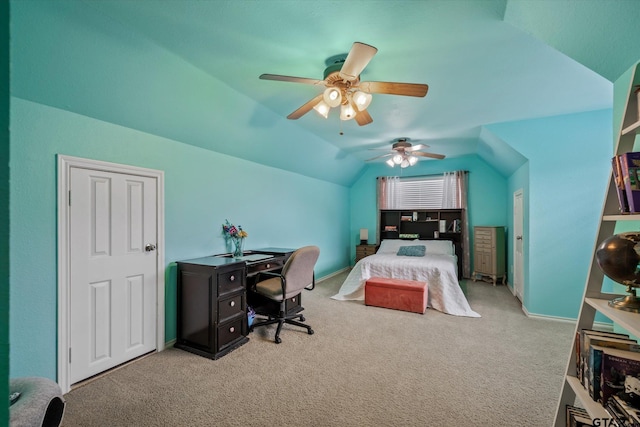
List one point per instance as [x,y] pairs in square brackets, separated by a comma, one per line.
[486,194]
[202,188]
[569,165]
[4,211]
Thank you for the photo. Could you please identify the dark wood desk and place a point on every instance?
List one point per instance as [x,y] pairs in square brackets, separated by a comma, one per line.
[212,299]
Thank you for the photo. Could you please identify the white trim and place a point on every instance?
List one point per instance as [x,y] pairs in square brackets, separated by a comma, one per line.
[335,273]
[65,163]
[608,327]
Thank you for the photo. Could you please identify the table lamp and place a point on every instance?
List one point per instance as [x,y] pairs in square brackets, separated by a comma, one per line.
[364,236]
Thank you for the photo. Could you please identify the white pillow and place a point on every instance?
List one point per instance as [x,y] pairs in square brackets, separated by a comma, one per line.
[391,246]
[444,247]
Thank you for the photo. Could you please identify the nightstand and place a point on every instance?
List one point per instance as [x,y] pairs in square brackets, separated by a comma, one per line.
[364,251]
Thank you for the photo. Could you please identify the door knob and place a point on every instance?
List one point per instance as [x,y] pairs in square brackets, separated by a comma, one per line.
[518,237]
[149,247]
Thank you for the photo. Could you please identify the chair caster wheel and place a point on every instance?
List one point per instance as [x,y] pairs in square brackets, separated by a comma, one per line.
[310,331]
[278,340]
[302,319]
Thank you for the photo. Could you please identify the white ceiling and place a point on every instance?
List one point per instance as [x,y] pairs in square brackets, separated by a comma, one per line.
[188,70]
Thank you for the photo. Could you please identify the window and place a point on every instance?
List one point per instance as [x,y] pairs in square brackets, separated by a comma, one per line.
[422,192]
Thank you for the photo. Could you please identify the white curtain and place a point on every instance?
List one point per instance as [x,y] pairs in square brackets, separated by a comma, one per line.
[454,196]
[387,192]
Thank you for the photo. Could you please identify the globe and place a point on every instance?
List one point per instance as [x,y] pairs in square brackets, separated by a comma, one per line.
[619,259]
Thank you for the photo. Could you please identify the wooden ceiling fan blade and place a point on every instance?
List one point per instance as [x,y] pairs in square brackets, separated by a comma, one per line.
[380,157]
[417,147]
[291,79]
[357,59]
[305,108]
[432,155]
[391,88]
[363,118]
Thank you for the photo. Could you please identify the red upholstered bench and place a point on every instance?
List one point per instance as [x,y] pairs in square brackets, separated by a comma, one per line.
[399,294]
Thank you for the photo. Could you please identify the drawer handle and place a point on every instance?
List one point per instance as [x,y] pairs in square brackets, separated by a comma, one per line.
[232,303]
[268,265]
[232,329]
[293,299]
[232,278]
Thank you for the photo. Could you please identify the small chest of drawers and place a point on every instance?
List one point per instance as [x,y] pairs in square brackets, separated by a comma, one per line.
[212,306]
[364,251]
[489,253]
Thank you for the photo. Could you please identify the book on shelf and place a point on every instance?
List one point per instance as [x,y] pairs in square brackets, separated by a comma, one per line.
[623,412]
[629,165]
[594,363]
[455,226]
[582,341]
[619,184]
[390,228]
[620,376]
[406,218]
[577,417]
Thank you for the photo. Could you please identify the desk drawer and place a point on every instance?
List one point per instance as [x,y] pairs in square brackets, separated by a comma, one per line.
[230,281]
[230,332]
[265,266]
[230,307]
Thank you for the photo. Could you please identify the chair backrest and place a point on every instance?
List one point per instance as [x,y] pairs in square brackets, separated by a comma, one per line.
[298,270]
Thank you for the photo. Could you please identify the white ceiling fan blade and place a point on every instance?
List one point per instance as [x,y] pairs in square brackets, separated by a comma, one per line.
[292,79]
[432,155]
[379,157]
[358,58]
[305,108]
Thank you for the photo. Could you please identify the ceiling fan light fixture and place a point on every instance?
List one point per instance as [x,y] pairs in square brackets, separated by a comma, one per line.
[332,97]
[361,99]
[412,160]
[405,163]
[397,159]
[347,112]
[323,109]
[390,162]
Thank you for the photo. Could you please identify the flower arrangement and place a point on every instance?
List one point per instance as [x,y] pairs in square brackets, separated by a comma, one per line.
[236,235]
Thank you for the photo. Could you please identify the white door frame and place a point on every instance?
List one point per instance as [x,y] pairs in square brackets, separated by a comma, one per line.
[518,194]
[65,163]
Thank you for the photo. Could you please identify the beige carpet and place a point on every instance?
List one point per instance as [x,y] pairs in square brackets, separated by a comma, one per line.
[364,366]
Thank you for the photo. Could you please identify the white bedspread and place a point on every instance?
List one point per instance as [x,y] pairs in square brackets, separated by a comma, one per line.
[439,271]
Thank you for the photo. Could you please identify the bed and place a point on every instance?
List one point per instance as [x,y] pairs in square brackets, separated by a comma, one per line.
[436,264]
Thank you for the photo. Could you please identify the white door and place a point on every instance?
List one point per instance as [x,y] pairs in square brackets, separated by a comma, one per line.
[518,237]
[113,269]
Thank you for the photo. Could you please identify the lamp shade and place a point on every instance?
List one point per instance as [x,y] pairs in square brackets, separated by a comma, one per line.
[332,97]
[390,162]
[322,108]
[364,234]
[347,112]
[361,99]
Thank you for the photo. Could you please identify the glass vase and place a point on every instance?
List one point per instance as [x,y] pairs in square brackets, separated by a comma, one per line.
[237,247]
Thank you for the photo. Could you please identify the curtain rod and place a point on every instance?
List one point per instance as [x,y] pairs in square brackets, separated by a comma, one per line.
[422,176]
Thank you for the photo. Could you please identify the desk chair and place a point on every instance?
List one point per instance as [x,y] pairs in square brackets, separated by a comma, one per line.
[296,274]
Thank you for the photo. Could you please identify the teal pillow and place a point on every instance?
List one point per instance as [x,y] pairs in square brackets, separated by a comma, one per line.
[411,250]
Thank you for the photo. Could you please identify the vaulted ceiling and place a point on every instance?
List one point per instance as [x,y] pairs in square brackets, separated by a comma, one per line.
[188,70]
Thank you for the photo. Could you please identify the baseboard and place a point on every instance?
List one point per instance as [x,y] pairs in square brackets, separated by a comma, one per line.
[608,327]
[335,273]
[170,343]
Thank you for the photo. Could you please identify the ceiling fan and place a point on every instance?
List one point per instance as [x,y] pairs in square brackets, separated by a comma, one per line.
[344,88]
[405,154]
